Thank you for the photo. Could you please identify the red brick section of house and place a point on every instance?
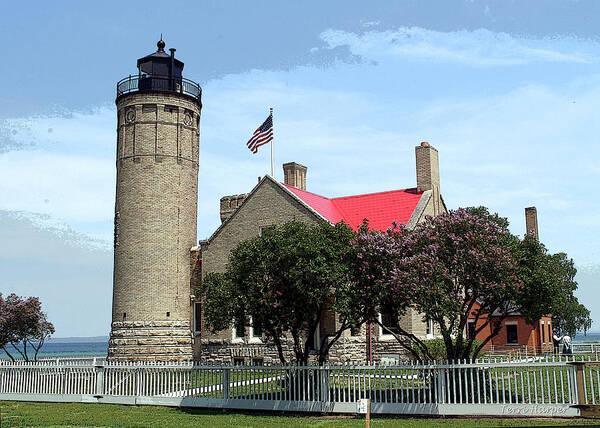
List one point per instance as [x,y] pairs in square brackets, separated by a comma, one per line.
[516,333]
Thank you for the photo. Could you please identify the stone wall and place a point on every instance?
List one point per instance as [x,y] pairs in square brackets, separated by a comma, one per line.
[348,349]
[150,341]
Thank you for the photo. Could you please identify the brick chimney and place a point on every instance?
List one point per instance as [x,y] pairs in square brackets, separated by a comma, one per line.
[531,223]
[229,204]
[295,175]
[428,172]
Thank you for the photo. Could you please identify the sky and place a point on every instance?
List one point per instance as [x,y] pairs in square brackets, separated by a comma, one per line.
[507,91]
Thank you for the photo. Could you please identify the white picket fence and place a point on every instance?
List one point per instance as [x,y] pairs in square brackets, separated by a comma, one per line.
[530,386]
[584,348]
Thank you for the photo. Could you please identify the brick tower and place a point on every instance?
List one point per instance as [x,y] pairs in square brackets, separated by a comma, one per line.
[155,210]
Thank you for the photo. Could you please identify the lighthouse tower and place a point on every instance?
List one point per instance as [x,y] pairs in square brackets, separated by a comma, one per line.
[155,210]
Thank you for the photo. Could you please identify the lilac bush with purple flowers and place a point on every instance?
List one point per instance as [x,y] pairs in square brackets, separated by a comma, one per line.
[23,326]
[450,268]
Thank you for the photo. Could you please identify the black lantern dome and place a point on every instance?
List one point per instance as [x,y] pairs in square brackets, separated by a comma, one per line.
[159,72]
[160,63]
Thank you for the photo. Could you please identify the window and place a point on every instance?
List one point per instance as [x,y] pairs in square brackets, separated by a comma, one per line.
[470,329]
[238,361]
[258,362]
[197,317]
[390,320]
[428,328]
[549,333]
[263,229]
[239,330]
[543,332]
[327,322]
[256,331]
[512,338]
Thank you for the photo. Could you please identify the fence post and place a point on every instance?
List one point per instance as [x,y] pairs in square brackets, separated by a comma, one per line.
[99,379]
[441,385]
[579,390]
[226,376]
[139,383]
[324,381]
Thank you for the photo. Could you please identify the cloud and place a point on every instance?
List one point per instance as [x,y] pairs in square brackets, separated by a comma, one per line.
[61,165]
[368,24]
[77,132]
[476,48]
[9,137]
[71,187]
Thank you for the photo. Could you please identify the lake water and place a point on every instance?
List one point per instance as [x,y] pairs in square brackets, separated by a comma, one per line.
[69,349]
[590,337]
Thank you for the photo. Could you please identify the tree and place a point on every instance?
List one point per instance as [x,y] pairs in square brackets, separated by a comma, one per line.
[23,326]
[570,316]
[284,281]
[550,280]
[452,267]
[460,266]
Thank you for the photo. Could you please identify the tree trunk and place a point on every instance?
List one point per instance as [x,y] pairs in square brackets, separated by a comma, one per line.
[8,353]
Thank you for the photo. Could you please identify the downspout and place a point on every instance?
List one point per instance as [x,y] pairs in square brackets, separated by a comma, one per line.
[370,343]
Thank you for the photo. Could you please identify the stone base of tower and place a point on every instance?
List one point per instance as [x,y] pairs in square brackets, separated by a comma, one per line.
[150,341]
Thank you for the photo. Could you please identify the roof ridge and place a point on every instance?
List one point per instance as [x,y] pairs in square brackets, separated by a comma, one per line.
[377,193]
[305,191]
[337,206]
[355,196]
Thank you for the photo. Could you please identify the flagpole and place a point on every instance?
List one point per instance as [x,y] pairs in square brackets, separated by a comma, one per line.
[272,141]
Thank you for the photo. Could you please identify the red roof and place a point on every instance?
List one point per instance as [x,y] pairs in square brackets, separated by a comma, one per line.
[381,209]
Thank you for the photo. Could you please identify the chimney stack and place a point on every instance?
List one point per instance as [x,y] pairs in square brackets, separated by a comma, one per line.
[428,172]
[295,175]
[229,204]
[531,223]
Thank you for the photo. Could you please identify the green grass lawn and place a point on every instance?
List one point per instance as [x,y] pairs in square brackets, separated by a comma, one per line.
[17,414]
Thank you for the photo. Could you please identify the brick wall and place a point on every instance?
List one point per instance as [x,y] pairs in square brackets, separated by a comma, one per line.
[428,174]
[528,335]
[295,175]
[531,223]
[155,225]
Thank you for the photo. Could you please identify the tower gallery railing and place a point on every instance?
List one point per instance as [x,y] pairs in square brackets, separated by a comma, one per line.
[159,84]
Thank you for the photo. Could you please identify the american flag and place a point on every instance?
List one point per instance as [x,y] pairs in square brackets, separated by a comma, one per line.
[262,135]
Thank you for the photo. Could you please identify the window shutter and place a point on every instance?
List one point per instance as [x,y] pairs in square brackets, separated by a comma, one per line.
[327,324]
